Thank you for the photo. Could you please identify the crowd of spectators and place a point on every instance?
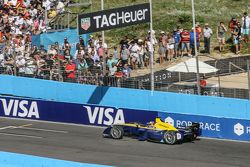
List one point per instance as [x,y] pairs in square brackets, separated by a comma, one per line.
[20,19]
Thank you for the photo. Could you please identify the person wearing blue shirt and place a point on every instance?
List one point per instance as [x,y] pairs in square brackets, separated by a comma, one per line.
[192,41]
[111,60]
[177,38]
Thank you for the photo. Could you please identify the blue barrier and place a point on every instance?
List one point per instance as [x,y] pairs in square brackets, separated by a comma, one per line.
[70,112]
[215,127]
[21,160]
[48,39]
[126,98]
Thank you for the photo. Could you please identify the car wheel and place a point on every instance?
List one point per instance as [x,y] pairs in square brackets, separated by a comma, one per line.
[116,132]
[170,137]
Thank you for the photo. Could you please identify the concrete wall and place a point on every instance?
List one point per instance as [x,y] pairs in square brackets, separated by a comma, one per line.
[125,98]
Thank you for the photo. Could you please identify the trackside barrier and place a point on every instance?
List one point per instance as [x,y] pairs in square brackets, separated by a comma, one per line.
[21,160]
[214,127]
[70,112]
[125,98]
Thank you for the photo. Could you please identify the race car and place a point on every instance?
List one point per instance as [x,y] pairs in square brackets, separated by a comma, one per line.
[157,131]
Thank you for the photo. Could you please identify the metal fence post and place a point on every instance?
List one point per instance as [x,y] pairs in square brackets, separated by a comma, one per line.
[248,76]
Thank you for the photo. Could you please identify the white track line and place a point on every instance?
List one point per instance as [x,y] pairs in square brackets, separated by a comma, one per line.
[55,123]
[7,127]
[18,135]
[45,130]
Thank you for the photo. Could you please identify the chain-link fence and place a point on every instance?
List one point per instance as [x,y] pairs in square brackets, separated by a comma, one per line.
[230,81]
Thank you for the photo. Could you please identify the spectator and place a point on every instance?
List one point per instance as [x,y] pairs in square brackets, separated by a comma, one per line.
[221,30]
[233,22]
[126,71]
[203,84]
[177,44]
[207,33]
[101,47]
[192,41]
[20,64]
[66,46]
[141,53]
[245,26]
[70,71]
[163,40]
[124,55]
[94,56]
[185,42]
[111,60]
[113,69]
[236,38]
[171,43]
[134,54]
[80,44]
[124,42]
[198,30]
[30,69]
[115,52]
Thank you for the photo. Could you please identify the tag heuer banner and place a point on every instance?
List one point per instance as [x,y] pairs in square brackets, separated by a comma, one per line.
[113,18]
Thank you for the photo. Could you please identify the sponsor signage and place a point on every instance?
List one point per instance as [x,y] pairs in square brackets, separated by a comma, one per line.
[225,128]
[113,18]
[19,108]
[211,126]
[71,113]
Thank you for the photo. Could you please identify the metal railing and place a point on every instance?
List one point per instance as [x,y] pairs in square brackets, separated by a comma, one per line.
[66,19]
[231,80]
[84,77]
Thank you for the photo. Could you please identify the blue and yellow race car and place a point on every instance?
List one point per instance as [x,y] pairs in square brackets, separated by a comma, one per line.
[157,131]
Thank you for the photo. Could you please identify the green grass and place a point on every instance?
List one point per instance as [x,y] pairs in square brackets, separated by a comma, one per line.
[167,14]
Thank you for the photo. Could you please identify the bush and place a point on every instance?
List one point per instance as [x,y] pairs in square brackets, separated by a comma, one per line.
[184,18]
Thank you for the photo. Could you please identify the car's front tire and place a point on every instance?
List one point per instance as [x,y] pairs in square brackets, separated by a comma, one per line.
[170,137]
[116,132]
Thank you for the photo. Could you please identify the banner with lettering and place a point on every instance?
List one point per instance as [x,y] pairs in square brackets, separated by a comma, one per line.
[113,18]
[214,127]
[70,112]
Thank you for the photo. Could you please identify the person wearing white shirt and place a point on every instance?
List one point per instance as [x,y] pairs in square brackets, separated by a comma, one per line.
[81,52]
[46,4]
[245,26]
[20,64]
[33,11]
[134,54]
[19,20]
[207,33]
[26,3]
[60,7]
[1,61]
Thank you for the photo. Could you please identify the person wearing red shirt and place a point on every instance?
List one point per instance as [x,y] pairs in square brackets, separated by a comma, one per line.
[185,42]
[71,71]
[203,84]
[233,22]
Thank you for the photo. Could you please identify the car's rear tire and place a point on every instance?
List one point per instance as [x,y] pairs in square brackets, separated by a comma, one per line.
[116,132]
[170,137]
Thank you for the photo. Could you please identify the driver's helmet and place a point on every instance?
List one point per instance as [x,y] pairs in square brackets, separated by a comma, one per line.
[151,123]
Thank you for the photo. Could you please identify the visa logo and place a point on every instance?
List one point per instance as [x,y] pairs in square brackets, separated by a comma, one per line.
[20,108]
[105,116]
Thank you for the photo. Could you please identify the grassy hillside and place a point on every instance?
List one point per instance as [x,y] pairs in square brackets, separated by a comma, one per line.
[168,14]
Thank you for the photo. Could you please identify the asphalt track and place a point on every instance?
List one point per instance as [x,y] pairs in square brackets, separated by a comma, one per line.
[85,144]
